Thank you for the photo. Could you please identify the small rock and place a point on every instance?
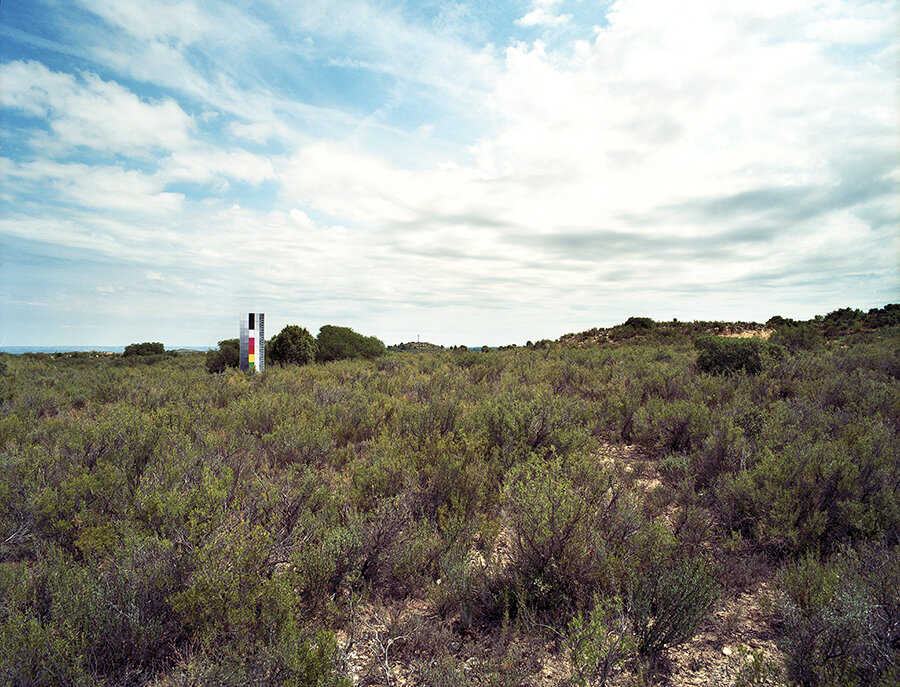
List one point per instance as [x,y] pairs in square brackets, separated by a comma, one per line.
[726,650]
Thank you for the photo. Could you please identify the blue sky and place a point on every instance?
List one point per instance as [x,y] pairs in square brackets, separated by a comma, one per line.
[476,173]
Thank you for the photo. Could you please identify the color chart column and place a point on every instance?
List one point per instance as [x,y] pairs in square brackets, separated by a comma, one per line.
[253,342]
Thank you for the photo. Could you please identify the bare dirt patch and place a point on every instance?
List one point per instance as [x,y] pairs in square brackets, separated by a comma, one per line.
[750,334]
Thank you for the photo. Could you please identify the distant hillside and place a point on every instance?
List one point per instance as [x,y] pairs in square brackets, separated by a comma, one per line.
[836,323]
[416,347]
[645,328]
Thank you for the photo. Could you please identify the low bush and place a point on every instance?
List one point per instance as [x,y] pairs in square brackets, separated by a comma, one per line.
[840,617]
[597,642]
[675,427]
[35,654]
[77,622]
[668,592]
[799,337]
[815,494]
[554,509]
[726,355]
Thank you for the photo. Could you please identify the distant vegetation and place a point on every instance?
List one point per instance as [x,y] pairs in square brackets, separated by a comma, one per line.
[294,345]
[420,347]
[456,517]
[144,349]
[342,343]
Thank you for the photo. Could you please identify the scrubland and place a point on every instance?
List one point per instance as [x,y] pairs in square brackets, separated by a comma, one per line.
[576,513]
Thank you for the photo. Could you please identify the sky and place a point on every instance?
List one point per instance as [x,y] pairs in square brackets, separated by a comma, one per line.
[456,172]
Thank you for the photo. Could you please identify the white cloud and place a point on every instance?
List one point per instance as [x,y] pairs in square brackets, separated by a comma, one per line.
[543,13]
[681,155]
[94,186]
[204,164]
[379,37]
[88,111]
[257,132]
[607,160]
[183,20]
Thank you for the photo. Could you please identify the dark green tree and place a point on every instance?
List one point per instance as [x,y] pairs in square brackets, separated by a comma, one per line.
[639,323]
[888,316]
[145,348]
[227,355]
[340,343]
[777,322]
[293,345]
[843,319]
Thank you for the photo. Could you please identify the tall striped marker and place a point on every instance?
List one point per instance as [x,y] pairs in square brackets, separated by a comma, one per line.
[253,341]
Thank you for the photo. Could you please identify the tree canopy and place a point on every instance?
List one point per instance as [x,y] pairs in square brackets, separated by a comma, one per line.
[292,345]
[227,355]
[340,343]
[145,348]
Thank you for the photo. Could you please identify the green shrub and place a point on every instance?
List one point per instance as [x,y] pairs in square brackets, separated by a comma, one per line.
[840,618]
[843,319]
[726,449]
[514,425]
[754,669]
[668,597]
[727,355]
[35,654]
[640,323]
[675,427]
[291,659]
[556,510]
[799,337]
[111,623]
[293,345]
[888,316]
[814,494]
[342,343]
[397,555]
[597,642]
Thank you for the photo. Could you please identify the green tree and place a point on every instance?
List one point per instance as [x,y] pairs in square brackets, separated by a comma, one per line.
[639,323]
[842,321]
[292,345]
[888,316]
[228,355]
[146,348]
[340,343]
